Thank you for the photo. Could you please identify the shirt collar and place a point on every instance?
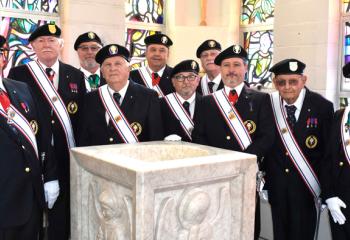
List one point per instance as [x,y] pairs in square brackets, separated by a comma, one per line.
[2,84]
[190,100]
[238,89]
[87,73]
[216,80]
[299,102]
[54,67]
[160,72]
[122,91]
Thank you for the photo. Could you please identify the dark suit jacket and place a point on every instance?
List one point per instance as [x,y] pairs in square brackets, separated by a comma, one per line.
[199,88]
[21,189]
[68,77]
[172,125]
[140,105]
[277,161]
[164,83]
[212,130]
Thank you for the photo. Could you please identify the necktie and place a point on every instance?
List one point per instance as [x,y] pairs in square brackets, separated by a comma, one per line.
[50,74]
[4,100]
[233,96]
[94,81]
[291,115]
[155,79]
[211,85]
[117,97]
[187,107]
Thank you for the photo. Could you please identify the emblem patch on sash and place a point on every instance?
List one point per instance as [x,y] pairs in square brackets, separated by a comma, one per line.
[311,141]
[117,118]
[347,142]
[136,127]
[34,125]
[284,130]
[54,99]
[72,107]
[250,126]
[231,115]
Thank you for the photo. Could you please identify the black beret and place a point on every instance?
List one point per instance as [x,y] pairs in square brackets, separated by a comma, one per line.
[112,50]
[235,51]
[87,37]
[2,41]
[288,66]
[158,38]
[185,66]
[346,70]
[208,45]
[45,30]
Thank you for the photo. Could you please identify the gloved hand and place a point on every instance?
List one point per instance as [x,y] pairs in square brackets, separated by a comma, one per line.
[52,190]
[172,137]
[334,204]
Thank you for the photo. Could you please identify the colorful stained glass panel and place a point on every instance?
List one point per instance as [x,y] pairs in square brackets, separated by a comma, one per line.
[257,12]
[346,6]
[345,84]
[147,11]
[49,6]
[259,46]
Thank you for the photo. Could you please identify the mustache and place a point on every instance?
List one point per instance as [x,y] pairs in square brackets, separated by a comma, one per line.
[231,74]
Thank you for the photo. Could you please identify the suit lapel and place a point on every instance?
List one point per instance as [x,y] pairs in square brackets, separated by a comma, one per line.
[128,100]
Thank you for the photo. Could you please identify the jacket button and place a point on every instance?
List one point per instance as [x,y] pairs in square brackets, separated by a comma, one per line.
[287,154]
[52,121]
[23,147]
[27,169]
[228,137]
[341,164]
[111,139]
[286,170]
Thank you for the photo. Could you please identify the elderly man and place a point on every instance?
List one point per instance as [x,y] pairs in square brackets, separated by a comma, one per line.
[123,111]
[28,168]
[179,109]
[303,119]
[156,75]
[87,45]
[211,81]
[59,89]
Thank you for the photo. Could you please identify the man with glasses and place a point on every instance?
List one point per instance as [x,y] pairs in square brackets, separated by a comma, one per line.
[294,166]
[87,45]
[211,81]
[179,109]
[59,90]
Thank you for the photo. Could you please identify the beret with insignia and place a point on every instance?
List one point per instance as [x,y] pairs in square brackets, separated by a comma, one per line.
[288,66]
[45,30]
[185,66]
[158,38]
[112,50]
[2,41]
[234,51]
[87,37]
[346,70]
[208,45]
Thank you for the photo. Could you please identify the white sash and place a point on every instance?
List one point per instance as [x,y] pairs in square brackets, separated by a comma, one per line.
[180,113]
[15,118]
[54,99]
[115,114]
[147,79]
[204,85]
[345,134]
[232,118]
[291,145]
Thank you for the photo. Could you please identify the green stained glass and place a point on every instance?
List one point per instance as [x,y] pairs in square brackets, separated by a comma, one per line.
[257,12]
[259,45]
[49,6]
[147,11]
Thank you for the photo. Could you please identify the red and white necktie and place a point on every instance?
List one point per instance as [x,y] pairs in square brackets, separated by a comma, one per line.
[155,79]
[233,97]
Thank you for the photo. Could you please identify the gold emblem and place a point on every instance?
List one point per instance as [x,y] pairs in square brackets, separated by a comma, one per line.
[250,126]
[113,49]
[11,114]
[193,65]
[284,130]
[311,141]
[72,107]
[54,98]
[136,127]
[117,118]
[91,35]
[34,126]
[211,43]
[164,39]
[347,142]
[293,66]
[52,28]
[231,115]
[236,49]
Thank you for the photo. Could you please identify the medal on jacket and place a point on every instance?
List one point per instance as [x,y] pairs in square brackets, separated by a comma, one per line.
[73,87]
[25,107]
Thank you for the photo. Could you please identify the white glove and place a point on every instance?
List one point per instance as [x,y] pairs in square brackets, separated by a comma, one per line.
[172,137]
[334,204]
[52,190]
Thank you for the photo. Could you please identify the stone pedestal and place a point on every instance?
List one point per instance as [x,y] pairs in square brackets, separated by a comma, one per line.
[162,191]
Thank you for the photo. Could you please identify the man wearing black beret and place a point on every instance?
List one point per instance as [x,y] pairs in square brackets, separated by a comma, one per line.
[156,75]
[123,111]
[295,165]
[87,45]
[59,89]
[179,109]
[211,81]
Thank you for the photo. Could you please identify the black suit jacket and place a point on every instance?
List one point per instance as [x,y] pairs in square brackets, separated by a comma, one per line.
[212,130]
[20,189]
[172,125]
[140,105]
[69,78]
[164,83]
[277,161]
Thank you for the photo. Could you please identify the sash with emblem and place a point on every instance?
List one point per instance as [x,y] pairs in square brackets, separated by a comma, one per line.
[345,133]
[54,99]
[295,153]
[180,113]
[117,117]
[147,79]
[15,118]
[232,118]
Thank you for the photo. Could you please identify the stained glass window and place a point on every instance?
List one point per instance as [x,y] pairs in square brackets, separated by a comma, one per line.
[345,86]
[257,11]
[346,6]
[147,11]
[50,6]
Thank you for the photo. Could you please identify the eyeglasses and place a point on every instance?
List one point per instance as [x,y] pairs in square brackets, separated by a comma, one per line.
[283,83]
[92,48]
[182,78]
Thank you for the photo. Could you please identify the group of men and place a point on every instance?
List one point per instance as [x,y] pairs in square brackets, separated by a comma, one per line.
[48,107]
